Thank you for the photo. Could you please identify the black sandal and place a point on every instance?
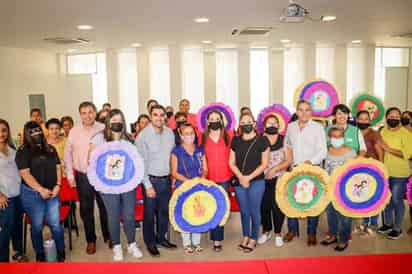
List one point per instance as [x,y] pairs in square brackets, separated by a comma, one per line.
[327,241]
[341,248]
[218,248]
[241,247]
[249,249]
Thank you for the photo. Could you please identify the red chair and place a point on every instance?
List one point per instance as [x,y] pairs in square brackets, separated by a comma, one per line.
[139,204]
[234,205]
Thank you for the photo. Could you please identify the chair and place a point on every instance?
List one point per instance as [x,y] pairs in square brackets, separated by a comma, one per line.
[234,205]
[139,204]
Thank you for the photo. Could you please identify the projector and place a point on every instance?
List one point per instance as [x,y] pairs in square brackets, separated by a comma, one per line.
[294,13]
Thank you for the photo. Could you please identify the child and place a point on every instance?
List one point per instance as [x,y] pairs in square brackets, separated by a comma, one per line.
[339,225]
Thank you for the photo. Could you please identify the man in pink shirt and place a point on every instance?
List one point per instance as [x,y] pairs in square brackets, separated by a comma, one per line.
[184,106]
[76,154]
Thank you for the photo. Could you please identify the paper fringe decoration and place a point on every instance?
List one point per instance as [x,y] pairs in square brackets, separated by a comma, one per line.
[280,111]
[131,168]
[216,212]
[370,103]
[355,204]
[288,196]
[227,112]
[409,191]
[322,95]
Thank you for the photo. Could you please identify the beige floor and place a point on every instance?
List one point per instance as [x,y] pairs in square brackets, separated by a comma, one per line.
[297,248]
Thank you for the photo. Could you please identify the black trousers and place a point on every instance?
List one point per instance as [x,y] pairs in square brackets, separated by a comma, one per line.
[87,195]
[270,211]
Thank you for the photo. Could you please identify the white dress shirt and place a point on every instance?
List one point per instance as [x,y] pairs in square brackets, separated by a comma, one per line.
[10,179]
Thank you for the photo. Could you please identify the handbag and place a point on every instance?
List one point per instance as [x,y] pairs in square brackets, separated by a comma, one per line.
[235,181]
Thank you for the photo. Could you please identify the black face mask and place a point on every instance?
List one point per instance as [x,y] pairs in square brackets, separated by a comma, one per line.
[37,139]
[363,126]
[405,121]
[102,120]
[116,127]
[180,123]
[271,130]
[215,125]
[247,128]
[393,122]
[169,114]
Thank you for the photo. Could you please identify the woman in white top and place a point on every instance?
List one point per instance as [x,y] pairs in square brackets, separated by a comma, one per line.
[10,207]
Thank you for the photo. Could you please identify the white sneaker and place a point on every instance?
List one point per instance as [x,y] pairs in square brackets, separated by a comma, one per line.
[264,238]
[133,250]
[278,241]
[117,253]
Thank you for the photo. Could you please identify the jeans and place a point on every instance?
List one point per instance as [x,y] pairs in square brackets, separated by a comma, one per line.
[156,211]
[396,206]
[217,234]
[271,213]
[339,225]
[87,195]
[39,211]
[8,228]
[371,221]
[121,206]
[190,239]
[293,225]
[250,200]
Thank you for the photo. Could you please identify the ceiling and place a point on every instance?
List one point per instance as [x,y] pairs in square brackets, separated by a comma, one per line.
[24,23]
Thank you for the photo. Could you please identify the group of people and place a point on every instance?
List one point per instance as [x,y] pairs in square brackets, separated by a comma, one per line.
[57,152]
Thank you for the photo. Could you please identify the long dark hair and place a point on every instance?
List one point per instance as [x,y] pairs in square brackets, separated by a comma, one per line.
[44,148]
[223,130]
[108,136]
[9,140]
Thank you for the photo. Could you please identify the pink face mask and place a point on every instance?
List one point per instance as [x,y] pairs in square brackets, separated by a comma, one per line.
[188,139]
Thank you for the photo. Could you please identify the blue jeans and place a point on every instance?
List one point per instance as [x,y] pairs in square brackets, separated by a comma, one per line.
[7,226]
[371,221]
[217,234]
[250,200]
[339,225]
[40,210]
[121,206]
[396,207]
[312,226]
[156,211]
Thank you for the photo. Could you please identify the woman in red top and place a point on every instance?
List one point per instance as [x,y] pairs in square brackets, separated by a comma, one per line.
[216,141]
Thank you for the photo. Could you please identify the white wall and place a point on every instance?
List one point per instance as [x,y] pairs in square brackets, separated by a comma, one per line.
[24,72]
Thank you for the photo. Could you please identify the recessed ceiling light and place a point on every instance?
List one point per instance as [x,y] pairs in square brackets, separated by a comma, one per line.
[356,41]
[84,27]
[201,20]
[71,50]
[285,41]
[136,45]
[328,18]
[207,42]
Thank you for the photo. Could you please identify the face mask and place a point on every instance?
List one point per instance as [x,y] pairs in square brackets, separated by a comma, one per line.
[271,130]
[188,139]
[392,123]
[337,142]
[102,120]
[247,128]
[180,123]
[363,126]
[37,139]
[169,114]
[116,127]
[215,125]
[405,121]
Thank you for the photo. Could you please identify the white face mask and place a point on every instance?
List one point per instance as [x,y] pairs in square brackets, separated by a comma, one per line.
[337,142]
[188,139]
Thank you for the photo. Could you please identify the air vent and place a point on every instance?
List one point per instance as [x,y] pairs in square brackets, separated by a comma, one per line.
[66,41]
[255,31]
[403,35]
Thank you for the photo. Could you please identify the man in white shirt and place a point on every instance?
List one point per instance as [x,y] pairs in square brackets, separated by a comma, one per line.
[307,140]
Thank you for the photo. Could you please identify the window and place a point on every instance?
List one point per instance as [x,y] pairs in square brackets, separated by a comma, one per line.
[388,57]
[160,75]
[193,77]
[294,75]
[325,63]
[94,64]
[128,91]
[259,80]
[227,78]
[355,72]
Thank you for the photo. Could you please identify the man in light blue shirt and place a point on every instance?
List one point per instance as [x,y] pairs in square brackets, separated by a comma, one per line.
[307,140]
[155,143]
